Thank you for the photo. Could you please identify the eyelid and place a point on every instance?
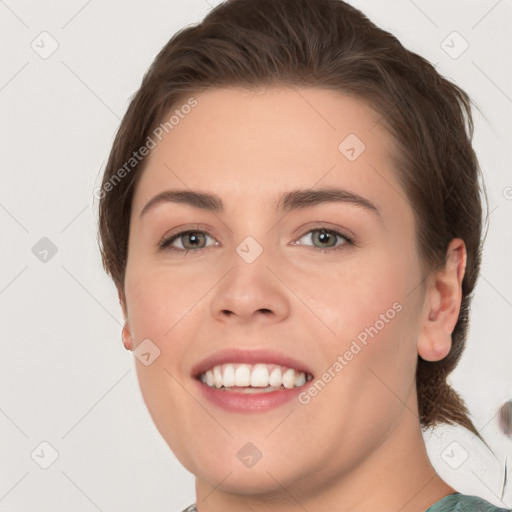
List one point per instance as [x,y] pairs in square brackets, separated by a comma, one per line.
[348,240]
[327,226]
[166,241]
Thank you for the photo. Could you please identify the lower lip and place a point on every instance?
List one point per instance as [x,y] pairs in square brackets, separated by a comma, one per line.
[234,401]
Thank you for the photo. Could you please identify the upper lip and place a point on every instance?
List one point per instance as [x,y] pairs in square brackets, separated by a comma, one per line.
[236,355]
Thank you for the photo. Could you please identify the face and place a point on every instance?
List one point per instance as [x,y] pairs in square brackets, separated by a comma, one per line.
[297,273]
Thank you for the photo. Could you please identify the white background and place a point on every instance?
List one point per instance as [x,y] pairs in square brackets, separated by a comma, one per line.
[65,378]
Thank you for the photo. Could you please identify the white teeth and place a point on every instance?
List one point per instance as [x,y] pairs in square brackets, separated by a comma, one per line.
[266,377]
[228,379]
[243,375]
[276,378]
[259,376]
[289,379]
[217,377]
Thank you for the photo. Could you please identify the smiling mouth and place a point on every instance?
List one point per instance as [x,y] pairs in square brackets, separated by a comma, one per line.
[253,378]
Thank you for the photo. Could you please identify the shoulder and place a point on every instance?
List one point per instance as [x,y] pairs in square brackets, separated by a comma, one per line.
[464,503]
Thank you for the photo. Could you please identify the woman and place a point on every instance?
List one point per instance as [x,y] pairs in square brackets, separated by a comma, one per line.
[291,215]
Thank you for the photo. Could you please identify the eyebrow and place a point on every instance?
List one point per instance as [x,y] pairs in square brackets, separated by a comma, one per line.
[293,200]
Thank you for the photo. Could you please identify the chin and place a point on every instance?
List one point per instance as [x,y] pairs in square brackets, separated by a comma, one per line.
[236,467]
[261,481]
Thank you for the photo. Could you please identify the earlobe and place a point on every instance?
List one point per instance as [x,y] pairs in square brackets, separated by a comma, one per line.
[127,337]
[443,297]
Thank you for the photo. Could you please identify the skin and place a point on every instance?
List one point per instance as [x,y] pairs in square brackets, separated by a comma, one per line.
[357,445]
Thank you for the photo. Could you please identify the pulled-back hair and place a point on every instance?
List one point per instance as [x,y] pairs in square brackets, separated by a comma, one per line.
[330,45]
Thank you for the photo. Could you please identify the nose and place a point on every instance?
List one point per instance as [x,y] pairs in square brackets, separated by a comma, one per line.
[250,292]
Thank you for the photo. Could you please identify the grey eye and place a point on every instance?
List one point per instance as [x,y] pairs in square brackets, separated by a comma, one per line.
[505,418]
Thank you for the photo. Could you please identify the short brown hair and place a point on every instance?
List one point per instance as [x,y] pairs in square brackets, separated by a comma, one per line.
[326,44]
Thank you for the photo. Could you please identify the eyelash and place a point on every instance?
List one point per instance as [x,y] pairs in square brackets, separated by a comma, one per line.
[165,243]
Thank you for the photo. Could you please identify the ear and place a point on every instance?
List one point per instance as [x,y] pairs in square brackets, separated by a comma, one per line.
[126,334]
[443,297]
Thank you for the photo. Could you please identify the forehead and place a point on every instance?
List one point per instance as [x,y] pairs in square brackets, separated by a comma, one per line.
[236,141]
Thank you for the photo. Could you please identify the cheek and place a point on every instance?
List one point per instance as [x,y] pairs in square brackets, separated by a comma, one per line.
[353,292]
[160,297]
[161,309]
[369,371]
[167,306]
[370,304]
